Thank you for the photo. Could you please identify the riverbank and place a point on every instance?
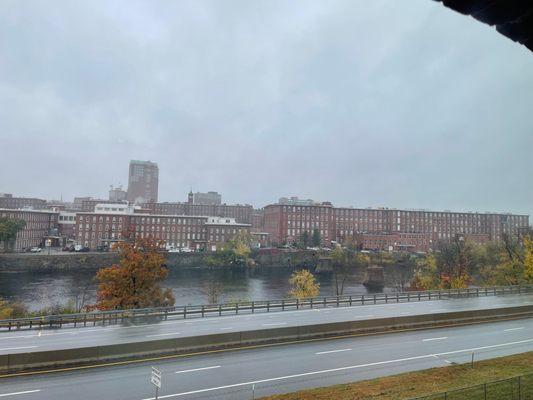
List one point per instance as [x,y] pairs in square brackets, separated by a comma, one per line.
[27,262]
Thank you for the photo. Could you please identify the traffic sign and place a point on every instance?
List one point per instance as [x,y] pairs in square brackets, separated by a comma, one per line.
[156,381]
[155,378]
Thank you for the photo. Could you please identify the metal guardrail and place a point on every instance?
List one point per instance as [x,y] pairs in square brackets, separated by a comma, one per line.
[516,388]
[120,316]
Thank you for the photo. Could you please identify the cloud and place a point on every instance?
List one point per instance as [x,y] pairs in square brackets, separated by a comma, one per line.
[378,103]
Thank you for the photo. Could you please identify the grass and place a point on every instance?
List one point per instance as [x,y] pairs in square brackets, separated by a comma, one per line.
[426,382]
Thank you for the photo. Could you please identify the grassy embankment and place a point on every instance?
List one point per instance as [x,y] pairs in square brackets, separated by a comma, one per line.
[420,383]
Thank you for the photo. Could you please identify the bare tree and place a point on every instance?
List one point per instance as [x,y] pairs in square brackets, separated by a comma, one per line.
[213,290]
[80,294]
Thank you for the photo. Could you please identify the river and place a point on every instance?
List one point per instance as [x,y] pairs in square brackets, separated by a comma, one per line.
[190,286]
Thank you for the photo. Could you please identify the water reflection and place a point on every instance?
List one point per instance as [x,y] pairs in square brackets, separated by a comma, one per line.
[38,290]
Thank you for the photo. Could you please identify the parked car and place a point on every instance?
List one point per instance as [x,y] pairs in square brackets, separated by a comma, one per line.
[102,248]
[68,248]
[36,249]
[80,248]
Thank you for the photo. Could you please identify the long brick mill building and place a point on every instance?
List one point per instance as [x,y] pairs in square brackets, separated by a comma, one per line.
[385,229]
[109,223]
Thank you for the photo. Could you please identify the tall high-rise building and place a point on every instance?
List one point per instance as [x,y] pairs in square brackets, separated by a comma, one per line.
[143,180]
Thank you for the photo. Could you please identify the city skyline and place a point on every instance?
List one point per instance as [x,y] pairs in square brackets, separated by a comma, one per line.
[318,104]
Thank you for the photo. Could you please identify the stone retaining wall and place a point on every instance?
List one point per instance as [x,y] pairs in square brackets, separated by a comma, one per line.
[26,262]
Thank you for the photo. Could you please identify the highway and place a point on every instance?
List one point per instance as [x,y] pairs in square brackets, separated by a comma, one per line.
[35,340]
[279,369]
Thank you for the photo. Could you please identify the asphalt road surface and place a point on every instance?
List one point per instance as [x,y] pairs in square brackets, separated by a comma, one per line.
[279,369]
[35,340]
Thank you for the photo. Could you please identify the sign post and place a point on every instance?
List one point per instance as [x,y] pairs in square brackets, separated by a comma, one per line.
[155,379]
[48,243]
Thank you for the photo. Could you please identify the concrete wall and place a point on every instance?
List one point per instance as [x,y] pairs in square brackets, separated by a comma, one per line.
[100,354]
[56,262]
[92,261]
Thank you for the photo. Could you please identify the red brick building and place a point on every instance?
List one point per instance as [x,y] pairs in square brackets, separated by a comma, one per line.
[242,213]
[412,242]
[39,225]
[258,220]
[416,230]
[8,201]
[286,223]
[105,227]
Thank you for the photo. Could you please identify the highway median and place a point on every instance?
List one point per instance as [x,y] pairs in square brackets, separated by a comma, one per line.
[94,356]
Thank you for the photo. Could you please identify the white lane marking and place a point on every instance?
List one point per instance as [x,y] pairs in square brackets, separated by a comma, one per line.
[164,334]
[332,351]
[366,316]
[18,348]
[16,393]
[41,334]
[435,338]
[225,329]
[513,329]
[405,313]
[337,369]
[274,323]
[197,369]
[485,347]
[438,309]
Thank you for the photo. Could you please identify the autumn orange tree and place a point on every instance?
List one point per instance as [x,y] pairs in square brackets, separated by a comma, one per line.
[135,281]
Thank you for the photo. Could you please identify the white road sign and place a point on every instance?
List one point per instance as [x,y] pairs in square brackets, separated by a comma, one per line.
[155,378]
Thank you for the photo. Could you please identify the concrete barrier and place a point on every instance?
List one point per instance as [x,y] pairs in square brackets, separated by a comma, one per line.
[101,354]
[260,336]
[4,362]
[55,358]
[208,342]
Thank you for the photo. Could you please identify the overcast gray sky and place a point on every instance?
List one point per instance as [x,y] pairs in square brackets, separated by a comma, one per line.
[364,103]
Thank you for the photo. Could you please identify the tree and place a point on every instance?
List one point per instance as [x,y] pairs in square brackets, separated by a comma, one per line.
[508,262]
[528,259]
[304,285]
[6,311]
[235,252]
[213,290]
[455,261]
[316,239]
[340,267]
[303,241]
[343,262]
[240,245]
[9,229]
[79,295]
[401,270]
[134,281]
[426,276]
